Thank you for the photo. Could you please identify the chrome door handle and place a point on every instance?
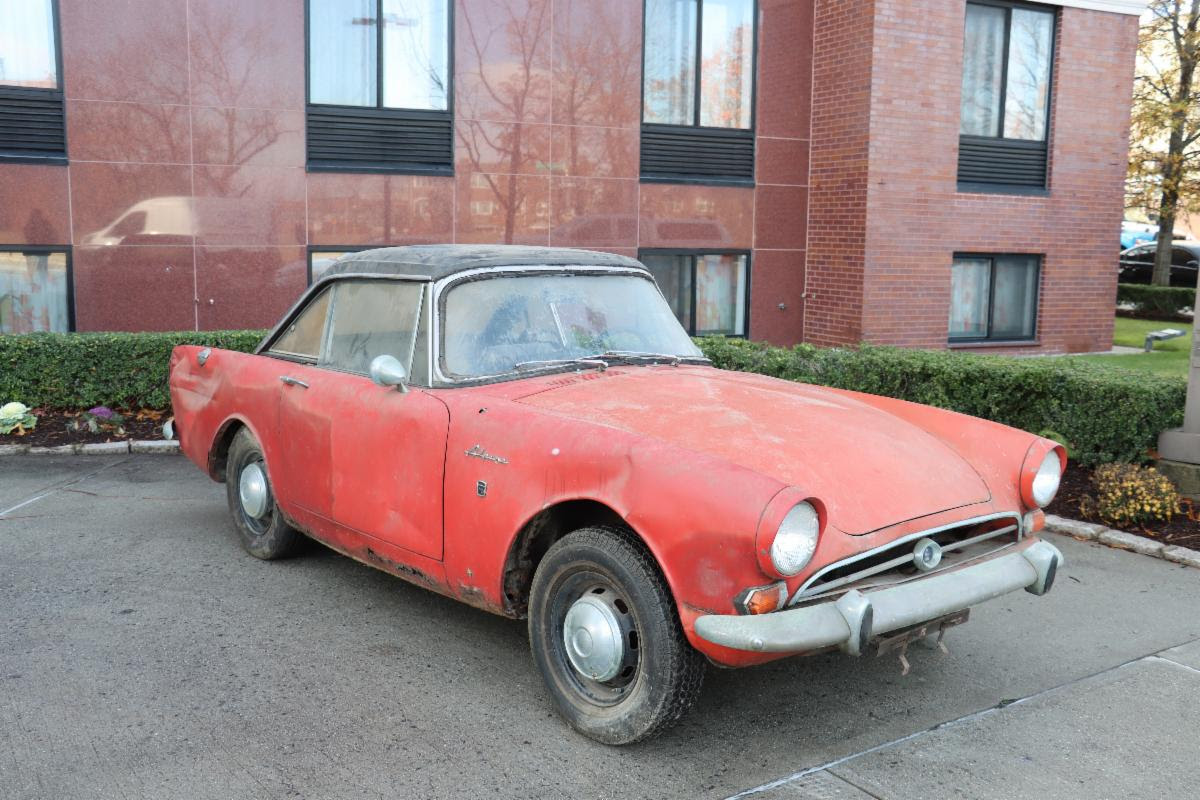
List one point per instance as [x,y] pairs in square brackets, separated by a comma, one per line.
[290,381]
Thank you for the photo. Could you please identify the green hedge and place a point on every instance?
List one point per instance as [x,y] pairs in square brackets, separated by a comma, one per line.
[79,370]
[1156,302]
[1103,414]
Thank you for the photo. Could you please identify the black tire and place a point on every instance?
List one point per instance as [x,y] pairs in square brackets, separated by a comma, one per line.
[268,536]
[660,673]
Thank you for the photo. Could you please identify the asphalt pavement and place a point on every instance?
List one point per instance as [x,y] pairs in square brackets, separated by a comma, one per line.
[144,655]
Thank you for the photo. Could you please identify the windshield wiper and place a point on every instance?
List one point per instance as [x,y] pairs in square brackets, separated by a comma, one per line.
[587,361]
[602,361]
[636,355]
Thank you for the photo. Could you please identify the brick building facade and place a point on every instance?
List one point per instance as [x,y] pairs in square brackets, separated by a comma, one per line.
[793,170]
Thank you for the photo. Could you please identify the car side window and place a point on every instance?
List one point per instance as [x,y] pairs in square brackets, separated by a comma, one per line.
[1144,253]
[1181,256]
[302,338]
[371,319]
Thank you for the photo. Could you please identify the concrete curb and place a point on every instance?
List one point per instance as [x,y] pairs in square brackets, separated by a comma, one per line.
[1089,531]
[95,449]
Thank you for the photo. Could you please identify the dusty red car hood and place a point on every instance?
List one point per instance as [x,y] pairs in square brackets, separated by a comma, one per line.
[870,468]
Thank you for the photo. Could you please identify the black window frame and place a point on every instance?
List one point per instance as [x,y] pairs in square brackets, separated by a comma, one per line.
[65,249]
[728,152]
[998,165]
[1039,261]
[708,251]
[41,112]
[379,129]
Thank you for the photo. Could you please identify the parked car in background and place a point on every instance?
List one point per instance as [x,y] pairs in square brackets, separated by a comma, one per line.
[532,432]
[1135,233]
[1136,264]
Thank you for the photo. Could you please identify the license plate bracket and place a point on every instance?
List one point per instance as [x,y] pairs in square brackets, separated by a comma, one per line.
[901,639]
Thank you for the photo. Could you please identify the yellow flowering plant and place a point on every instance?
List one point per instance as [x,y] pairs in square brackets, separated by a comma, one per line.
[1127,494]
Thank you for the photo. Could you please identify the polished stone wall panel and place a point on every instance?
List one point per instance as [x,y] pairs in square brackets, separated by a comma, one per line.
[142,288]
[186,135]
[133,51]
[247,287]
[35,207]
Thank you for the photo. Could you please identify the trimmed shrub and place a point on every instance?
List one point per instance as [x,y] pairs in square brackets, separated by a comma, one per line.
[1103,414]
[1156,302]
[81,370]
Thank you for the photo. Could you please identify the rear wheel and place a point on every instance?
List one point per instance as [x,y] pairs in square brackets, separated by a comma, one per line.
[264,532]
[607,640]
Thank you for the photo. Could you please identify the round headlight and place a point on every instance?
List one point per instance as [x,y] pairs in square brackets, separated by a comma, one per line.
[796,540]
[1045,482]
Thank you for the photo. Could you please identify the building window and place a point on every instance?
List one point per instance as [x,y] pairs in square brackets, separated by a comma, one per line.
[32,122]
[994,297]
[698,91]
[319,259]
[709,292]
[35,290]
[379,90]
[1008,52]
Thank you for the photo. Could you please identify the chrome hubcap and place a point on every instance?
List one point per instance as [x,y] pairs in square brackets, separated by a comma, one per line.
[252,489]
[594,639]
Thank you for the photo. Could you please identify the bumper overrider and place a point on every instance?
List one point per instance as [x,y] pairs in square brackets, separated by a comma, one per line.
[856,617]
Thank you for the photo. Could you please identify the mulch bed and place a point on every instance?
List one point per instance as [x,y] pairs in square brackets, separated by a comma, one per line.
[51,430]
[1183,530]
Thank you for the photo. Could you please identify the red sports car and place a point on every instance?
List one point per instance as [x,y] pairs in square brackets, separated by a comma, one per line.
[531,431]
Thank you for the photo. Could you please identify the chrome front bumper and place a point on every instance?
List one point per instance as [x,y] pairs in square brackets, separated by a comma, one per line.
[856,617]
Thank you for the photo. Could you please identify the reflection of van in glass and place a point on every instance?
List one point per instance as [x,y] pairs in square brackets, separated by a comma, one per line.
[177,219]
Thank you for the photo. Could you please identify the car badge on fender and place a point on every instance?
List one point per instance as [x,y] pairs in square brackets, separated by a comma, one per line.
[478,452]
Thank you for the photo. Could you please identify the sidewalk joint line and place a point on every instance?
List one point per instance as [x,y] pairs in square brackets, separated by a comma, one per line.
[1002,705]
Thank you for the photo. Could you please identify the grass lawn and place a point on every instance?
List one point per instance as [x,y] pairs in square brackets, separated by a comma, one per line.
[1169,357]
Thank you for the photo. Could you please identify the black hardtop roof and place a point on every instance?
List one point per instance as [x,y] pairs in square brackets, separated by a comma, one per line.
[435,261]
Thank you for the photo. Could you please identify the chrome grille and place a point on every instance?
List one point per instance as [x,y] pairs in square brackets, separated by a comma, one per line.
[893,562]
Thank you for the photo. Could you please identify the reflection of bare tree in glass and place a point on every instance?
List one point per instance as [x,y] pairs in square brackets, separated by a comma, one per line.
[596,68]
[402,41]
[515,86]
[670,57]
[154,130]
[724,98]
[1028,75]
[244,132]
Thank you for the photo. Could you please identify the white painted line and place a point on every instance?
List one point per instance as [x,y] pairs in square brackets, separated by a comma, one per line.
[59,487]
[23,504]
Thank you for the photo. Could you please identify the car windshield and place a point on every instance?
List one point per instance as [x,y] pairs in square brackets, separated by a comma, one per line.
[514,323]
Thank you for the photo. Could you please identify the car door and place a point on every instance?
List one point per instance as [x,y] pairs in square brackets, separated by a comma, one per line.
[387,445]
[1137,264]
[300,474]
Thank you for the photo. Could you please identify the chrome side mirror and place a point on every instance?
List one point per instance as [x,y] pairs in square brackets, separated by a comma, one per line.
[388,371]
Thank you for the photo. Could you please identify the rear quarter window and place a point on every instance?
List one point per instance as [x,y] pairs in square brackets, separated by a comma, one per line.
[302,338]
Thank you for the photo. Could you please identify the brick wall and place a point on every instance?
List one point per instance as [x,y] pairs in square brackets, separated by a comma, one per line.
[843,36]
[915,219]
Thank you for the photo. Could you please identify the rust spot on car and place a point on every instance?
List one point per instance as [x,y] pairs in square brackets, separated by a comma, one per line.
[405,571]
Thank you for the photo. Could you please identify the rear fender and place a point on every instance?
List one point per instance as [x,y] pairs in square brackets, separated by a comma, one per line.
[209,399]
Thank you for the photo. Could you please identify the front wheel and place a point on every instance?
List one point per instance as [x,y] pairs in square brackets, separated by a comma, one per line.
[607,640]
[264,532]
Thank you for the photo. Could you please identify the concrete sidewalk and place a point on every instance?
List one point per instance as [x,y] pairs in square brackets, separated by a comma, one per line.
[1129,732]
[143,654]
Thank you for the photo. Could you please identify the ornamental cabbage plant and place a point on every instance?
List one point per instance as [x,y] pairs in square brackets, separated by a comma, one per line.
[16,417]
